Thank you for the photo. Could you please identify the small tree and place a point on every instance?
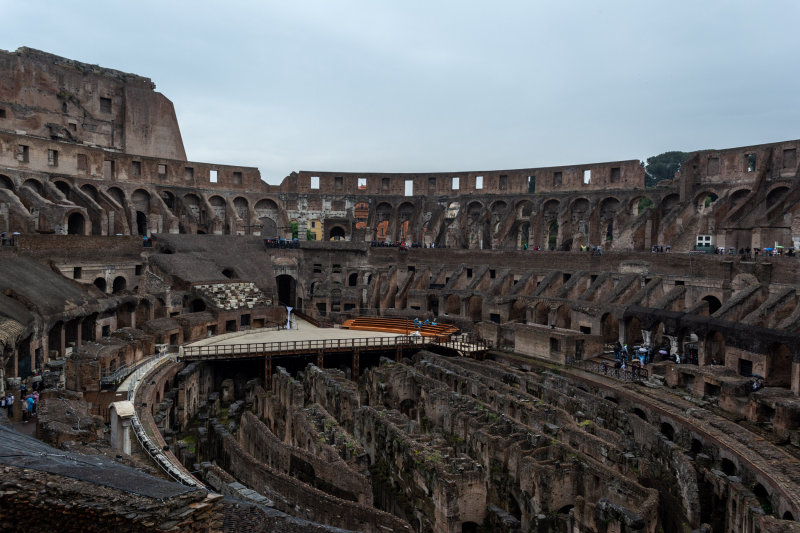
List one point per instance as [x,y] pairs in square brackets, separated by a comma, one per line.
[663,167]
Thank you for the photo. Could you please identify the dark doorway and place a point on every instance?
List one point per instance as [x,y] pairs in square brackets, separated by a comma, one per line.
[287,290]
[75,224]
[141,223]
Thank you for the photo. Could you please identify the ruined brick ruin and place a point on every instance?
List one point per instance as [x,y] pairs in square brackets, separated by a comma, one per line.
[115,247]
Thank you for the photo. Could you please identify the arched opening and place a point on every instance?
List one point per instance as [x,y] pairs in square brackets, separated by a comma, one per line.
[100,283]
[713,304]
[269,228]
[475,308]
[452,305]
[76,224]
[117,195]
[788,516]
[242,208]
[287,290]
[229,273]
[118,285]
[542,313]
[141,223]
[610,328]
[728,467]
[697,447]
[706,199]
[641,414]
[169,200]
[352,280]
[670,202]
[6,183]
[470,527]
[552,235]
[36,186]
[776,195]
[65,189]
[763,498]
[336,233]
[198,305]
[668,431]
[90,191]
[640,205]
[564,317]
[218,206]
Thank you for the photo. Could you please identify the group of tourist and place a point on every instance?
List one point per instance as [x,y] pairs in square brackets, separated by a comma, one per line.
[282,243]
[8,239]
[28,403]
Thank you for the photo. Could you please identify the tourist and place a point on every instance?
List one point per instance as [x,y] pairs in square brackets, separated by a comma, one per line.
[10,405]
[24,408]
[30,404]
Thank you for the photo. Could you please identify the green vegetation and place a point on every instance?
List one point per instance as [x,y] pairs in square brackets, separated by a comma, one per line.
[663,167]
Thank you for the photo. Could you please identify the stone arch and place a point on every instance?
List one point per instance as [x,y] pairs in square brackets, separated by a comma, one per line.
[6,183]
[383,212]
[609,207]
[336,233]
[452,210]
[76,224]
[217,204]
[713,304]
[169,199]
[668,431]
[64,187]
[704,199]
[90,191]
[352,279]
[524,209]
[117,194]
[34,185]
[192,203]
[640,204]
[242,207]
[475,308]
[452,305]
[670,202]
[736,197]
[119,284]
[100,283]
[563,318]
[498,206]
[141,200]
[776,194]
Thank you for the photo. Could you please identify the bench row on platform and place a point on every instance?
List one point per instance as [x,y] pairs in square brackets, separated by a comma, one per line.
[399,325]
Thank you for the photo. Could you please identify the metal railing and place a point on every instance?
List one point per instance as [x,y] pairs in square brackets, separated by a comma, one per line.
[323,345]
[631,373]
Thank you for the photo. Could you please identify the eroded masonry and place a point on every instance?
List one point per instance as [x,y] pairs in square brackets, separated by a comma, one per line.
[574,352]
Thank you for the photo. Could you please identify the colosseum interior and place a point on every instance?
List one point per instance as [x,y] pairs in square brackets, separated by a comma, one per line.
[385,352]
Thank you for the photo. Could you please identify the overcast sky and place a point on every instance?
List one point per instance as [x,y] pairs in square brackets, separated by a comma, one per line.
[428,85]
